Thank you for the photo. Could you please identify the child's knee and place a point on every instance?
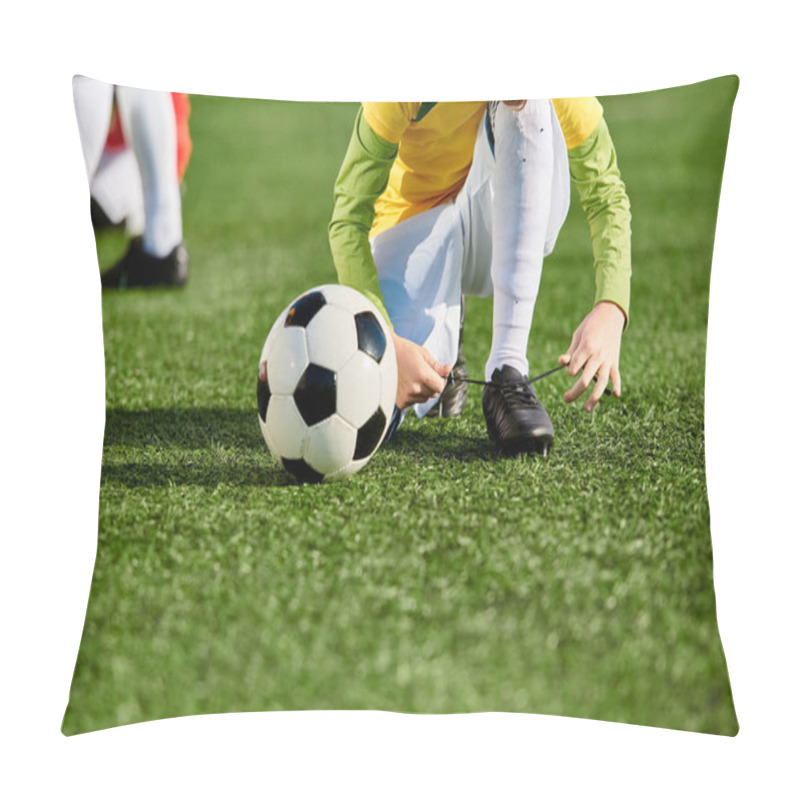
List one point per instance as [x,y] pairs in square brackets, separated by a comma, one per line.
[531,121]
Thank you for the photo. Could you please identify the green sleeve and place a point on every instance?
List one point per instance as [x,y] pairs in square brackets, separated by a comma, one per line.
[594,172]
[362,179]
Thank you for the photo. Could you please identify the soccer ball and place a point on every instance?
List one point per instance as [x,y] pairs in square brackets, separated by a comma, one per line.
[327,381]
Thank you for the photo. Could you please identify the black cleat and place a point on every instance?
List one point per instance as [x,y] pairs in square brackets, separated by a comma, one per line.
[453,398]
[139,269]
[517,422]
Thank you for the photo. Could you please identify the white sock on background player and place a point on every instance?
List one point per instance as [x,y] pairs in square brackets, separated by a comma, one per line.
[148,121]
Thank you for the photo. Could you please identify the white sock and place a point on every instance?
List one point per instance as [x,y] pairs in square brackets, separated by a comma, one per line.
[522,193]
[511,328]
[148,120]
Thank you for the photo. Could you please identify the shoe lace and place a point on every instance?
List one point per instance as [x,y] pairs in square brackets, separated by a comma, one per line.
[518,394]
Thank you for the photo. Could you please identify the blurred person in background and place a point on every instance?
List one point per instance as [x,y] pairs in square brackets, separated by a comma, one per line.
[136,147]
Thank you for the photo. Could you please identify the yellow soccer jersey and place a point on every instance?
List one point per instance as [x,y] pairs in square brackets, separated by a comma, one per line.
[436,144]
[578,118]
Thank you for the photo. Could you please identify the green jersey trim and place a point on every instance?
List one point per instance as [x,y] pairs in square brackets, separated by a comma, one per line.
[424,110]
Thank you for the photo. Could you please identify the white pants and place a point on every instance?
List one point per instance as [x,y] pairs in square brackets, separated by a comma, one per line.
[490,240]
[117,187]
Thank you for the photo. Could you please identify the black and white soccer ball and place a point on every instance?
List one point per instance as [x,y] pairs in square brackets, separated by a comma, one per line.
[327,381]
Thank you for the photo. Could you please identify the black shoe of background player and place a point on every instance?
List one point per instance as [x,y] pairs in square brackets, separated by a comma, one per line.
[516,420]
[139,269]
[452,400]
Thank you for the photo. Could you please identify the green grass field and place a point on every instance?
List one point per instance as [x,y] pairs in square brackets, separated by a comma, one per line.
[442,578]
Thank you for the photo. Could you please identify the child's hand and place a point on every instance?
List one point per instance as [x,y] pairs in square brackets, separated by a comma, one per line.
[419,375]
[595,351]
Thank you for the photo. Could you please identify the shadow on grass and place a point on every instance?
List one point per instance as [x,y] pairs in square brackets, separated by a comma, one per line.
[440,441]
[195,428]
[187,447]
[223,446]
[219,446]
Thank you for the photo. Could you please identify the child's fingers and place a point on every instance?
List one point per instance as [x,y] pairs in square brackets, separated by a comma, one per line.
[441,369]
[577,361]
[597,392]
[616,381]
[569,356]
[434,374]
[580,386]
[432,381]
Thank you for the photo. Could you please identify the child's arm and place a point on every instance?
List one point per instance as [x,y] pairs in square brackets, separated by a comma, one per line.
[362,179]
[595,347]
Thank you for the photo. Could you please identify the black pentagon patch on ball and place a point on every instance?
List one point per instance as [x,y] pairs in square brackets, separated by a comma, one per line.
[369,435]
[371,339]
[301,471]
[302,311]
[263,394]
[315,395]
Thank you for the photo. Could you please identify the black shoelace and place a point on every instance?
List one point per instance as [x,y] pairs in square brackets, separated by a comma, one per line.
[518,394]
[516,387]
